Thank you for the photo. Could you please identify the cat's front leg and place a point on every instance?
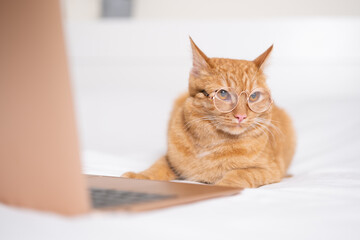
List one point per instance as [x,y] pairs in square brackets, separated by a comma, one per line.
[160,170]
[250,177]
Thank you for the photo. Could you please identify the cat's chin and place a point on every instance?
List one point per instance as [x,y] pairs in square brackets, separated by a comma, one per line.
[233,129]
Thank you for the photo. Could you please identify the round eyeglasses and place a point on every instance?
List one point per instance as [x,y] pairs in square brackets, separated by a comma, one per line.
[226,99]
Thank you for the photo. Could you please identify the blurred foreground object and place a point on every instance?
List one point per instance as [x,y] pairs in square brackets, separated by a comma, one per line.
[39,159]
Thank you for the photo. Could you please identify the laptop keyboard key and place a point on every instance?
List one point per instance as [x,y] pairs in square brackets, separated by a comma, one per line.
[103,198]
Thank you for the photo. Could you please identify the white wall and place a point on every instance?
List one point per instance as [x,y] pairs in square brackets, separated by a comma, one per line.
[308,50]
[217,9]
[233,9]
[127,73]
[81,9]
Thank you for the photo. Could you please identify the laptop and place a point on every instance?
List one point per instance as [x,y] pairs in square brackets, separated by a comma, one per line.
[40,165]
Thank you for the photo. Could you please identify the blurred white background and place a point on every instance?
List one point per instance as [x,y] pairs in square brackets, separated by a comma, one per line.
[130,62]
[215,9]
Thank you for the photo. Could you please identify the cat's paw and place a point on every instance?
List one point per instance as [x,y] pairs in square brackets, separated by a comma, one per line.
[232,183]
[134,175]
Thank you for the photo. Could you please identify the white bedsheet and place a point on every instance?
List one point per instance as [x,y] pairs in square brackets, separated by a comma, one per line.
[320,201]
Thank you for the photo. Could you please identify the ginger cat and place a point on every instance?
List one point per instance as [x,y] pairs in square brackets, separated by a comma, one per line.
[226,130]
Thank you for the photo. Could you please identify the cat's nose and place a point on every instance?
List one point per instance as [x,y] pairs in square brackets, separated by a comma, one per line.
[240,117]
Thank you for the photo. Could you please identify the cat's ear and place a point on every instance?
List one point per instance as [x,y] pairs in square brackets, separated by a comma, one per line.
[260,60]
[200,60]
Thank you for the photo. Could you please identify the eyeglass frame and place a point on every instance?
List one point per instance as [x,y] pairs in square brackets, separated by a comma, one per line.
[238,98]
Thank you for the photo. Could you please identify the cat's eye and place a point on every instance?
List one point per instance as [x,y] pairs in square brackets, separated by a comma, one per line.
[225,99]
[223,95]
[255,96]
[260,100]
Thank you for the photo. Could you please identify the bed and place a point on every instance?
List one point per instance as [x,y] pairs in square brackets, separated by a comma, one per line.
[124,87]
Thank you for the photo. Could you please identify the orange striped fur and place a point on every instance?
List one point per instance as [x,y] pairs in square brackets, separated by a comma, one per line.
[208,146]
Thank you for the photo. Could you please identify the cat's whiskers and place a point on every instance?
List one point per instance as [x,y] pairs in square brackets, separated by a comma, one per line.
[256,127]
[190,123]
[269,120]
[269,123]
[263,128]
[219,122]
[266,126]
[196,120]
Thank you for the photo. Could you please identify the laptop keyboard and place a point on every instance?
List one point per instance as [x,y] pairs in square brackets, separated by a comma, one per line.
[103,198]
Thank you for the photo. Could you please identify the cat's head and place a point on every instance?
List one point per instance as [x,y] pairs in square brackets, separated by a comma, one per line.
[225,92]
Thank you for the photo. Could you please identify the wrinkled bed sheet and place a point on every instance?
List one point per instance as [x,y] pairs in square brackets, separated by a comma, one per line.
[320,201]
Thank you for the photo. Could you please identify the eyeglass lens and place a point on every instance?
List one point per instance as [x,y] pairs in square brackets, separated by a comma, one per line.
[226,99]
